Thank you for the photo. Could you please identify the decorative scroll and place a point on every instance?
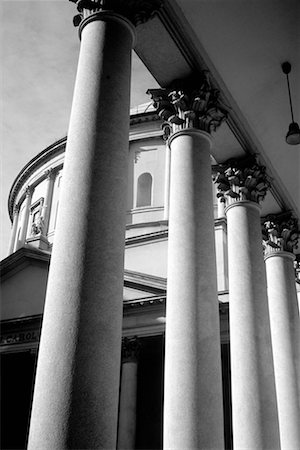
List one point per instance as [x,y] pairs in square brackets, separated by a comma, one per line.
[241,179]
[280,233]
[137,11]
[190,104]
[130,349]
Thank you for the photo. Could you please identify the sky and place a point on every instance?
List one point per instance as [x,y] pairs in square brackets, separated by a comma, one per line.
[39,53]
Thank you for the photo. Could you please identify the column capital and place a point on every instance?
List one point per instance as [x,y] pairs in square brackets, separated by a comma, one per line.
[51,173]
[130,349]
[190,103]
[240,180]
[280,233]
[136,11]
[28,191]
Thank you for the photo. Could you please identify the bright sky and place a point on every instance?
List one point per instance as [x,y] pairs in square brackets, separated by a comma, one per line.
[39,52]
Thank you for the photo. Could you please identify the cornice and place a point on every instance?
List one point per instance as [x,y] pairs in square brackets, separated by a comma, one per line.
[59,146]
[20,256]
[198,60]
[155,236]
[35,163]
[139,279]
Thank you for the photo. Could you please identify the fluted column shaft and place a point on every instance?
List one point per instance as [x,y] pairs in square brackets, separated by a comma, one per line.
[25,217]
[75,401]
[254,409]
[13,233]
[285,332]
[193,410]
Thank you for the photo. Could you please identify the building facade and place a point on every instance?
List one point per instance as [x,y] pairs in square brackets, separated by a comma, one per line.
[124,261]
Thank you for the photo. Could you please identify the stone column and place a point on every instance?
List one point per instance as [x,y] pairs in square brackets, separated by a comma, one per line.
[25,216]
[193,409]
[75,402]
[128,392]
[280,238]
[243,184]
[13,233]
[221,209]
[166,134]
[50,176]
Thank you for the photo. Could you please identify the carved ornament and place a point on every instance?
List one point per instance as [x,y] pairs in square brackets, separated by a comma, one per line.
[190,104]
[136,11]
[51,173]
[241,179]
[280,233]
[28,191]
[16,209]
[130,349]
[38,227]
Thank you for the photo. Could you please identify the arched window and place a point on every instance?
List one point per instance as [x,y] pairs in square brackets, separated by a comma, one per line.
[144,190]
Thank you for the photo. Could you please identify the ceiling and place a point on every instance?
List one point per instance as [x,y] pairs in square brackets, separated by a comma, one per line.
[243,43]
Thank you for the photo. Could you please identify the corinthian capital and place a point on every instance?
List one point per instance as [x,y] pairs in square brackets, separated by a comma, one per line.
[28,191]
[130,349]
[242,179]
[51,173]
[190,104]
[136,11]
[280,233]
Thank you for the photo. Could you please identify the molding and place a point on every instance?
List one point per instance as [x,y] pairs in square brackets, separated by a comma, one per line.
[139,280]
[20,256]
[146,224]
[197,58]
[59,147]
[155,236]
[140,136]
[35,163]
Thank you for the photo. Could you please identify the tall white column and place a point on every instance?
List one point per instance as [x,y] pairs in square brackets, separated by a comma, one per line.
[193,408]
[167,129]
[25,217]
[281,237]
[254,408]
[128,394]
[167,182]
[13,233]
[75,402]
[50,176]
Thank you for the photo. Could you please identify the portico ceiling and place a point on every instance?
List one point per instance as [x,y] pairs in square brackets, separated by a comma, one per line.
[242,43]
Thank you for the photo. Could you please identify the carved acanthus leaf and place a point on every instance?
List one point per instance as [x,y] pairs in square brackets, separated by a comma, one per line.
[130,348]
[51,173]
[241,179]
[28,191]
[280,233]
[137,11]
[190,104]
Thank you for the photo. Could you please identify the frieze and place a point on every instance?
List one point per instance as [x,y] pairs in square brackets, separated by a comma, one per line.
[241,179]
[136,11]
[190,103]
[280,233]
